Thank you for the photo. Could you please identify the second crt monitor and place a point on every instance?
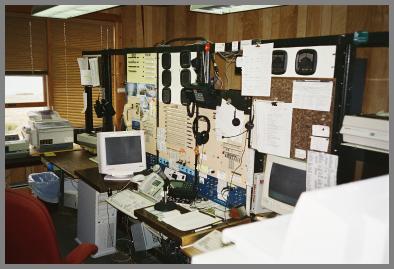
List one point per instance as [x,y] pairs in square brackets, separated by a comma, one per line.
[121,154]
[284,181]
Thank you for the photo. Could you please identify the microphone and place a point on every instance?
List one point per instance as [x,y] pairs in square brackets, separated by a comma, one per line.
[157,169]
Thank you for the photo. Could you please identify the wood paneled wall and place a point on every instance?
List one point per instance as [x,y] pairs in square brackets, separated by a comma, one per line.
[145,26]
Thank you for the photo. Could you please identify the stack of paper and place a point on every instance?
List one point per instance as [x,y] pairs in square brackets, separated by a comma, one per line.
[190,221]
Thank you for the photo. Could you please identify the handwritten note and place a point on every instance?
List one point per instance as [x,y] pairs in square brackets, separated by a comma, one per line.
[256,70]
[314,95]
[321,170]
[272,131]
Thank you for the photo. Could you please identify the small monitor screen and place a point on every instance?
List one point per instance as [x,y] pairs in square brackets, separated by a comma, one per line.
[122,150]
[286,183]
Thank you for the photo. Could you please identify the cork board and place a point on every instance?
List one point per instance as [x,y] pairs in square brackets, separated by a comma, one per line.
[302,121]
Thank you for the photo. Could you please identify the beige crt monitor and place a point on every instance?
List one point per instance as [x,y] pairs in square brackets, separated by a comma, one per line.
[284,181]
[121,154]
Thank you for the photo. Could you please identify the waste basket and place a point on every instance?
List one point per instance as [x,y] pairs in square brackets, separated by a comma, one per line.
[45,186]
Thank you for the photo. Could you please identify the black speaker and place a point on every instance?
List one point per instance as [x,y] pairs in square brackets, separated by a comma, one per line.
[185,78]
[279,62]
[306,61]
[166,78]
[166,95]
[185,59]
[187,96]
[166,60]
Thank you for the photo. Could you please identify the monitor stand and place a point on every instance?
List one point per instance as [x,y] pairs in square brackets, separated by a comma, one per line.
[118,177]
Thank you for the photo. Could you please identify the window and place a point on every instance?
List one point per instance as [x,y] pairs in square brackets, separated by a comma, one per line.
[25,91]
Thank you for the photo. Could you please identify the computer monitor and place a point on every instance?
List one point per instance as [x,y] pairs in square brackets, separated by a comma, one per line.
[284,181]
[121,154]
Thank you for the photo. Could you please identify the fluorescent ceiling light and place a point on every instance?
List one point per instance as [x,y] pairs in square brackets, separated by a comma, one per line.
[225,9]
[67,11]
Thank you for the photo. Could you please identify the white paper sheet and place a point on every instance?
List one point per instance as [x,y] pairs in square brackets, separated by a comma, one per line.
[223,122]
[234,46]
[319,143]
[321,170]
[86,77]
[321,130]
[83,63]
[245,43]
[312,95]
[220,47]
[272,128]
[85,102]
[300,153]
[209,242]
[190,221]
[94,69]
[256,70]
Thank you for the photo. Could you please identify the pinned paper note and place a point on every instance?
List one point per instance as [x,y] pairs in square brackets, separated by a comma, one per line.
[256,70]
[300,154]
[223,123]
[272,128]
[319,143]
[234,46]
[321,170]
[94,69]
[245,43]
[321,130]
[314,95]
[220,47]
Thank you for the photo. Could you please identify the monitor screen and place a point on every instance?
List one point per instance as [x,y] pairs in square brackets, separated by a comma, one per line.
[121,154]
[122,150]
[286,183]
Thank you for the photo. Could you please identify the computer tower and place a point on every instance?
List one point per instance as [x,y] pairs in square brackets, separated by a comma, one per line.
[96,220]
[144,237]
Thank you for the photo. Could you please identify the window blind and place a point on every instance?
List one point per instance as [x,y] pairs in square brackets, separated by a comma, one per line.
[25,43]
[67,39]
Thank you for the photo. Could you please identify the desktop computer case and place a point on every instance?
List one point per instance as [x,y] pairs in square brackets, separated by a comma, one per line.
[96,220]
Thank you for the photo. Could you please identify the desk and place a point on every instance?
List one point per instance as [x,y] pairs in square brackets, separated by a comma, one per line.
[70,161]
[182,238]
[94,179]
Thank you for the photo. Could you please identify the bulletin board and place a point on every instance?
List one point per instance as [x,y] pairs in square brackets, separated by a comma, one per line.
[302,119]
[141,94]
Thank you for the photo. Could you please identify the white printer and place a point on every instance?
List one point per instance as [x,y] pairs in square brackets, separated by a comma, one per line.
[366,132]
[48,131]
[16,147]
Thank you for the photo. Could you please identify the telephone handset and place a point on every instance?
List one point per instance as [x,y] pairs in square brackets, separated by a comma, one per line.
[152,186]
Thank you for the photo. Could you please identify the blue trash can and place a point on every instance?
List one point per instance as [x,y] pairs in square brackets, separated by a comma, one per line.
[46,186]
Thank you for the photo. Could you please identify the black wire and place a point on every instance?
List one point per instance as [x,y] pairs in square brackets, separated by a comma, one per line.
[235,135]
[191,113]
[232,175]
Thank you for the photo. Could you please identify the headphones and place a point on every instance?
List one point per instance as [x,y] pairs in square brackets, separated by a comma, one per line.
[201,137]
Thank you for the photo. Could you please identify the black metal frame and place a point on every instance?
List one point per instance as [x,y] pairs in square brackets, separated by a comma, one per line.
[344,60]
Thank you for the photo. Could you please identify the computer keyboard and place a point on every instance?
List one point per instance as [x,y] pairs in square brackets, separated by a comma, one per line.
[127,201]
